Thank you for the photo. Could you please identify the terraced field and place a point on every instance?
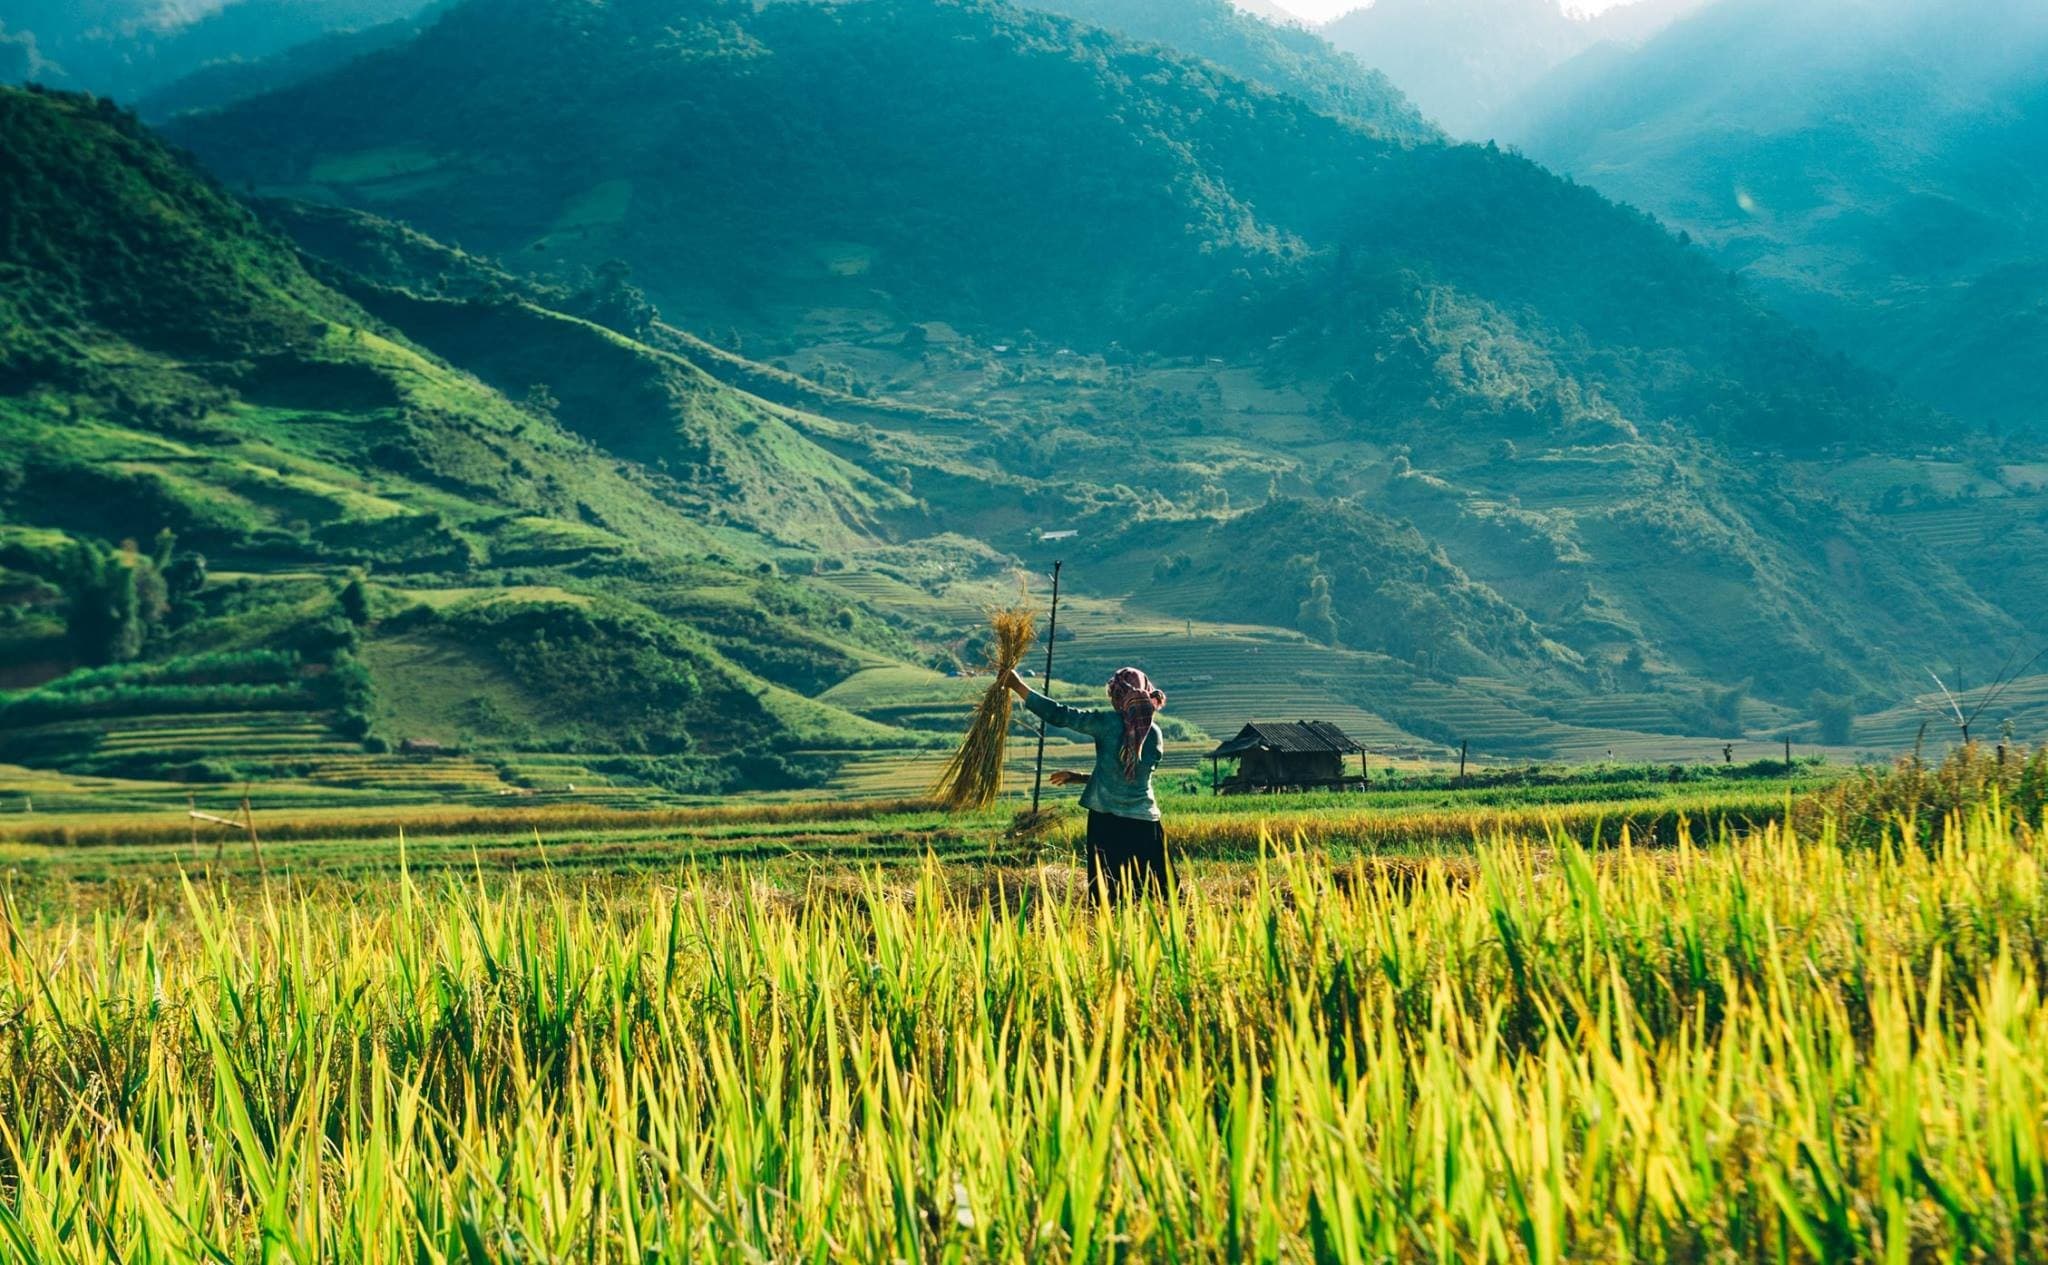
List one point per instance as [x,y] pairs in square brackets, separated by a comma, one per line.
[1958,527]
[2024,704]
[1221,679]
[961,607]
[274,736]
[1219,676]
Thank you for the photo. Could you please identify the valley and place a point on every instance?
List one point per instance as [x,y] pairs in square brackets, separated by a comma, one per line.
[1432,505]
[508,506]
[1373,455]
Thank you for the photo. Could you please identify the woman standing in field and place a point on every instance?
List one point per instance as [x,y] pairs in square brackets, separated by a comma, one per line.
[1126,842]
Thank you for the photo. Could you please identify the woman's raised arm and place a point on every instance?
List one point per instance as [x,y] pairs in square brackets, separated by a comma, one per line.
[1080,720]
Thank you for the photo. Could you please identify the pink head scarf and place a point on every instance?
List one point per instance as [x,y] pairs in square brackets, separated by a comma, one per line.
[1132,693]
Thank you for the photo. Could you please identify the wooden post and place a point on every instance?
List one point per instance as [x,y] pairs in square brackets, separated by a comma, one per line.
[1788,757]
[1215,775]
[1463,747]
[1364,771]
[1052,632]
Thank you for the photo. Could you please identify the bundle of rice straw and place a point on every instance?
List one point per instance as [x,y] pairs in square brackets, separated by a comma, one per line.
[974,775]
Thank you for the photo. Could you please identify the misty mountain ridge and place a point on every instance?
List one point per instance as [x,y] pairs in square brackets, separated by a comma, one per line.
[1874,166]
[1462,61]
[130,48]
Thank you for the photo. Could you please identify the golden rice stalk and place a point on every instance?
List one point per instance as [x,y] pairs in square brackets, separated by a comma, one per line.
[974,776]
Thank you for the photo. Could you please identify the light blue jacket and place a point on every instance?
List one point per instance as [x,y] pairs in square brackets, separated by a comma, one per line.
[1109,791]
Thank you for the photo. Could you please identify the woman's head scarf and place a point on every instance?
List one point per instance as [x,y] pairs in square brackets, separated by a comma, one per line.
[1134,696]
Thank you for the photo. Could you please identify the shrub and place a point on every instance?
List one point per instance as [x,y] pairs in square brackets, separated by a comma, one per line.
[355,602]
[1914,798]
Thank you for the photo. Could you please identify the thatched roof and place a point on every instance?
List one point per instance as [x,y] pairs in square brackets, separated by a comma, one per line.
[1308,737]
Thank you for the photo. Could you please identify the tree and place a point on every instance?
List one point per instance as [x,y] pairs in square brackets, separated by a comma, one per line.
[152,596]
[186,575]
[1725,705]
[103,620]
[612,300]
[1316,616]
[540,401]
[1837,716]
[355,602]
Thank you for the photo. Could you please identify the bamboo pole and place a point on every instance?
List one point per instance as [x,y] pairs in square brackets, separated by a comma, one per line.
[1052,632]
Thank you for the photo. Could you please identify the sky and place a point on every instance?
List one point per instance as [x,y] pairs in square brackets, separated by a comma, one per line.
[1324,10]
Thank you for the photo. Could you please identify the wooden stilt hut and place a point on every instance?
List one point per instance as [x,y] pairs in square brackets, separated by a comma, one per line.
[1281,755]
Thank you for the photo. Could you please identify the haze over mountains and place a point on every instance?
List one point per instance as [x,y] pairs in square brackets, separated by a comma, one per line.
[129,48]
[654,329]
[1464,61]
[1875,167]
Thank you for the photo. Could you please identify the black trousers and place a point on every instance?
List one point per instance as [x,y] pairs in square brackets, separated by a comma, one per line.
[1126,856]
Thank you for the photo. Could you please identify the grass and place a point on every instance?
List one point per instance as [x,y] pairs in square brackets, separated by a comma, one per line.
[1773,1048]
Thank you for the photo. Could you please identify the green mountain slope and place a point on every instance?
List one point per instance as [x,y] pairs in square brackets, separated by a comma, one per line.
[1874,167]
[1023,176]
[1286,58]
[251,68]
[1529,420]
[173,373]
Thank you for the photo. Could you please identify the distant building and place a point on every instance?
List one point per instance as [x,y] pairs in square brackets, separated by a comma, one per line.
[1067,534]
[1279,755]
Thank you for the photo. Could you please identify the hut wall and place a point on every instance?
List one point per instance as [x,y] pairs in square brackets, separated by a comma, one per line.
[1290,768]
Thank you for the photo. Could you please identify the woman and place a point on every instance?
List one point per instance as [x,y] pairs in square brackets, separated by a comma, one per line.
[1126,842]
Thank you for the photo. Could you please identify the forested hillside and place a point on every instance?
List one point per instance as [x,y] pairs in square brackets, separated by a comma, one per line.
[1412,294]
[1030,176]
[1286,58]
[173,376]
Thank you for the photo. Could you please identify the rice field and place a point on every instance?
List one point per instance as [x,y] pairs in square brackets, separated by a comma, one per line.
[1757,1047]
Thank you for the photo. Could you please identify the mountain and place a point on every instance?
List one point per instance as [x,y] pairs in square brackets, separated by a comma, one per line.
[1159,295]
[1875,167]
[127,48]
[172,372]
[1463,61]
[563,343]
[1027,175]
[1283,56]
[1267,11]
[250,71]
